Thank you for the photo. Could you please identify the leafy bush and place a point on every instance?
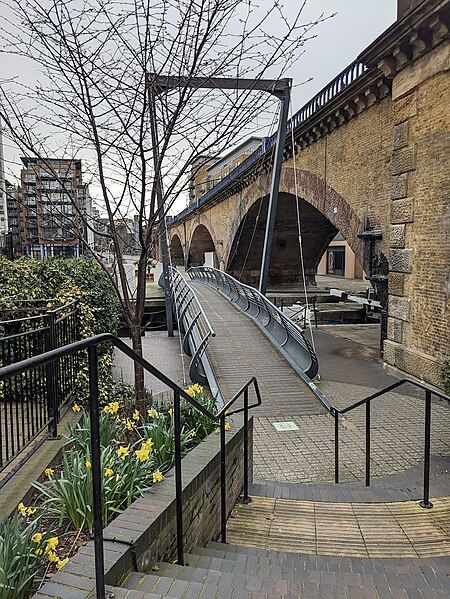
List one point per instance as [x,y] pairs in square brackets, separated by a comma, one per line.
[23,552]
[63,281]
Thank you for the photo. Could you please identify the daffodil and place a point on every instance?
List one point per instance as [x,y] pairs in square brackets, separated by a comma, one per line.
[128,424]
[112,407]
[62,562]
[88,464]
[147,445]
[227,426]
[152,413]
[136,415]
[157,477]
[142,454]
[52,543]
[194,390]
[52,557]
[31,511]
[37,537]
[109,472]
[22,509]
[39,552]
[76,408]
[118,478]
[49,472]
[170,412]
[123,452]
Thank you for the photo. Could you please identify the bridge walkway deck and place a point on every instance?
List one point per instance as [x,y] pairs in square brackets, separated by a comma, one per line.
[241,350]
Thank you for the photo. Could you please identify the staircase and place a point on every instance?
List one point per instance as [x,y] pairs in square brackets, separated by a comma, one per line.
[231,571]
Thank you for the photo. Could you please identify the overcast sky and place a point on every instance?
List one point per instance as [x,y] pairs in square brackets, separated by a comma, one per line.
[339,40]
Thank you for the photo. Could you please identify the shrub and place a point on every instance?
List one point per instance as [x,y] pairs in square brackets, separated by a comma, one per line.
[63,280]
[23,553]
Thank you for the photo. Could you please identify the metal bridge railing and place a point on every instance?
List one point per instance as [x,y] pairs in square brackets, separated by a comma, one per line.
[195,330]
[287,336]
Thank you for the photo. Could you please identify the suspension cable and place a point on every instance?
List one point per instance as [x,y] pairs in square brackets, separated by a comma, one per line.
[300,240]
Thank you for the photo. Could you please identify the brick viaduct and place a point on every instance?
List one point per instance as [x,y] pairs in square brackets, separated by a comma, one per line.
[370,154]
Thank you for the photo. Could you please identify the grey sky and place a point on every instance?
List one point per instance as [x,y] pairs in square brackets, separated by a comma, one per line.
[339,40]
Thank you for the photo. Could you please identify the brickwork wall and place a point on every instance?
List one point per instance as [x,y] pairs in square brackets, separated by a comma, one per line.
[419,316]
[386,168]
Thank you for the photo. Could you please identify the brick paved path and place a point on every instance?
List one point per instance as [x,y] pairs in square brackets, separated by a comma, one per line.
[306,455]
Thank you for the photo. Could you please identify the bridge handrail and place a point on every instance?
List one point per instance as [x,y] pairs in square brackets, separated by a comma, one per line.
[345,78]
[196,331]
[254,299]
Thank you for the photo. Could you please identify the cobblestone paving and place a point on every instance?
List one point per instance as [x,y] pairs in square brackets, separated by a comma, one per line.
[307,454]
[161,351]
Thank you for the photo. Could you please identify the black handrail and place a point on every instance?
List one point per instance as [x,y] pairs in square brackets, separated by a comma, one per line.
[429,392]
[91,345]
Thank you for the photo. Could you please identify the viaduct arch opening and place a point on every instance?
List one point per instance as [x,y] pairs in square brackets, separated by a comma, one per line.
[201,243]
[285,263]
[176,251]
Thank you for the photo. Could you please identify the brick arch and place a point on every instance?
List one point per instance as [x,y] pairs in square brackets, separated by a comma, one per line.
[176,250]
[201,240]
[314,191]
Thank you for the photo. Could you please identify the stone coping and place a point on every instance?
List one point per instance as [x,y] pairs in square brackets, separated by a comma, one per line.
[148,524]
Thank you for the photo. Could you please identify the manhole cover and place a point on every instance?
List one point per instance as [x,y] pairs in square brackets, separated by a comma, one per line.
[360,353]
[285,426]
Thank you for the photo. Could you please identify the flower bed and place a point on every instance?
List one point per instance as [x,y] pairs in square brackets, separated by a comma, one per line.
[137,449]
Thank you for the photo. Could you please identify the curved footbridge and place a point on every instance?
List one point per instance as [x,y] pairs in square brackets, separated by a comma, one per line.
[241,350]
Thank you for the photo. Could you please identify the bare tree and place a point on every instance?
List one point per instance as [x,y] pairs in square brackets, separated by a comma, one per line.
[96,95]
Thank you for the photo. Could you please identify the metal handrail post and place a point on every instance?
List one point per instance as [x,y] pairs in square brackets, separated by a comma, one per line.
[426,503]
[368,444]
[50,377]
[223,488]
[336,447]
[246,498]
[96,472]
[178,480]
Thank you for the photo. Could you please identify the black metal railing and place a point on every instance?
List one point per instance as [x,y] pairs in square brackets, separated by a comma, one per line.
[429,392]
[32,402]
[196,331]
[346,78]
[287,336]
[91,346]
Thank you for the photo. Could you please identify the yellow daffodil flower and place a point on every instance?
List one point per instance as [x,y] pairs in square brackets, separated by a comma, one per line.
[61,563]
[37,537]
[49,472]
[142,454]
[147,445]
[52,557]
[31,511]
[39,552]
[112,408]
[128,424]
[76,408]
[122,452]
[88,464]
[52,543]
[152,413]
[136,415]
[157,477]
[227,426]
[22,509]
[109,472]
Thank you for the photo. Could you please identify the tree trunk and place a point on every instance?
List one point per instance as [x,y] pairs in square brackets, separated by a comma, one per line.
[136,341]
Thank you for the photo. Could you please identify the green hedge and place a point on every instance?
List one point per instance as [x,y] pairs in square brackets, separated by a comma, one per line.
[63,281]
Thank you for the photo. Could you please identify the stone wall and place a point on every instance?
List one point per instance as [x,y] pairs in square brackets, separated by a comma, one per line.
[149,524]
